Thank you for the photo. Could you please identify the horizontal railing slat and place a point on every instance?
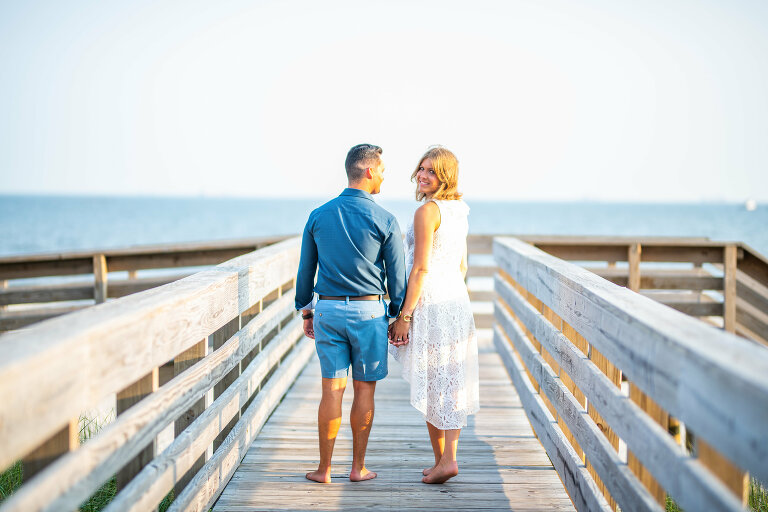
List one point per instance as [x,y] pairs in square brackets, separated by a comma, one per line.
[691,484]
[70,480]
[582,490]
[713,381]
[624,487]
[66,364]
[207,485]
[151,485]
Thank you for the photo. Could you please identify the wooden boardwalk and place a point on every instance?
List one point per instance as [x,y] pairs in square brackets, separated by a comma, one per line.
[502,465]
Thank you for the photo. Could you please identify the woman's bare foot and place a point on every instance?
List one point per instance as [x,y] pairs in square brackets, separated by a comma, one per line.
[364,474]
[323,477]
[442,473]
[427,471]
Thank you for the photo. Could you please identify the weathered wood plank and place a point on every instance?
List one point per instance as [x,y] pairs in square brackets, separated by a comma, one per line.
[581,488]
[127,398]
[148,488]
[182,363]
[60,363]
[99,278]
[210,481]
[74,477]
[62,442]
[11,320]
[729,293]
[713,377]
[616,476]
[81,262]
[686,480]
[502,466]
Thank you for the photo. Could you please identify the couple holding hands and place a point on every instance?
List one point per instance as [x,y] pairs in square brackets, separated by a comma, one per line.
[355,248]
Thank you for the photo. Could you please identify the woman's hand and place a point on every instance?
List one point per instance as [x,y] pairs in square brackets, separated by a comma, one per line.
[398,332]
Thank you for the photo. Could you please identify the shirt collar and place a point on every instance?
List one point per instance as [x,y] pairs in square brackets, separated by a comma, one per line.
[356,192]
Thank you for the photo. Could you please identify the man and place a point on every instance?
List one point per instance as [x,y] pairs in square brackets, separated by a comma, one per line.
[354,245]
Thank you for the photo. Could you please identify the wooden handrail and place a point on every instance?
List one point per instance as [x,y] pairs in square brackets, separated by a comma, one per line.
[713,382]
[68,364]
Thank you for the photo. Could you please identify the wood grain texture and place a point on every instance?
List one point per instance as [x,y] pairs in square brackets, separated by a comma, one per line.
[582,490]
[81,262]
[62,442]
[686,480]
[502,465]
[99,278]
[74,477]
[65,365]
[729,293]
[209,483]
[699,374]
[615,475]
[151,485]
[127,398]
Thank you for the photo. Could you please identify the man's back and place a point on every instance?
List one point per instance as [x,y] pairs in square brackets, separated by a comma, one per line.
[356,246]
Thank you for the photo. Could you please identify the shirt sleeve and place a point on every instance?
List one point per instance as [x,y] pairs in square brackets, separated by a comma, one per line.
[394,264]
[305,279]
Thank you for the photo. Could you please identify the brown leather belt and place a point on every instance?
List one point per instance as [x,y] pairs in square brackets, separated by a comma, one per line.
[361,297]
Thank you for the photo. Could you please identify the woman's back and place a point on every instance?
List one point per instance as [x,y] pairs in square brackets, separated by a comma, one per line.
[444,278]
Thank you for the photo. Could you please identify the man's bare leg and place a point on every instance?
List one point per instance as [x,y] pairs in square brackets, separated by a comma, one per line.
[437,438]
[361,420]
[328,422]
[448,467]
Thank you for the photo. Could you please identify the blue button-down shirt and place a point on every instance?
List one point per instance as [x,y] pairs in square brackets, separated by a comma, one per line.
[353,244]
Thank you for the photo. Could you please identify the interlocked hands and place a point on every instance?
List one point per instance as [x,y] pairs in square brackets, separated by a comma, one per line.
[398,332]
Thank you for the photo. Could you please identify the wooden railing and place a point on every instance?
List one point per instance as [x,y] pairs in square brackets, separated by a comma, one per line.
[724,283]
[236,345]
[91,283]
[604,372]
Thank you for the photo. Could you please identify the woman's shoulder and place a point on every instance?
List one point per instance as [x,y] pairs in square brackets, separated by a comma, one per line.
[428,214]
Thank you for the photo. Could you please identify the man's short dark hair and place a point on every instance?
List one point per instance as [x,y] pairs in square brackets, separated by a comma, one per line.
[359,158]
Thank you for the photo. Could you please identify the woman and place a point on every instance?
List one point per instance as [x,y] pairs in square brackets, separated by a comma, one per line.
[434,336]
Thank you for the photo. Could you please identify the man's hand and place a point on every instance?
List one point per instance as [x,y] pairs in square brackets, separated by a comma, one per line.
[309,328]
[398,332]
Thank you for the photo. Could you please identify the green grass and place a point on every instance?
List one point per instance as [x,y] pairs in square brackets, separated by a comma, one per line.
[758,496]
[757,501]
[12,478]
[672,506]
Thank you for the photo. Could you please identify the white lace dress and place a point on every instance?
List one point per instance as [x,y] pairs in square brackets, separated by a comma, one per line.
[440,361]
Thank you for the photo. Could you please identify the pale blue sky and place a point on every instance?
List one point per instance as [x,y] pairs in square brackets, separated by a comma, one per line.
[660,100]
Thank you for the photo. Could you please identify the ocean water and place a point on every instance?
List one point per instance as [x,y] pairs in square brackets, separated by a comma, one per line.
[35,224]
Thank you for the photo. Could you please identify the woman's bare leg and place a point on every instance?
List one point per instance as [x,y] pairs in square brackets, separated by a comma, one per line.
[437,438]
[447,467]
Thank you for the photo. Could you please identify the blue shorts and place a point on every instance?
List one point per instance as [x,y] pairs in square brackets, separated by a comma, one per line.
[352,331]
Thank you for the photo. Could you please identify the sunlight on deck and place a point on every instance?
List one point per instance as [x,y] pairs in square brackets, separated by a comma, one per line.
[502,465]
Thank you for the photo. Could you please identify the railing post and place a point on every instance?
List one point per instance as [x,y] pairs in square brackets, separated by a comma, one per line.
[99,278]
[125,399]
[219,338]
[3,286]
[729,292]
[633,257]
[734,478]
[65,440]
[180,363]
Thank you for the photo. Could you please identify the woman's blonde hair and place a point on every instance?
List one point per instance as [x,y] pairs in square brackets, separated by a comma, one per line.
[446,167]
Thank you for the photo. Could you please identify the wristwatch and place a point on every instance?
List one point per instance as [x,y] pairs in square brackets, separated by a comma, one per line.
[307,316]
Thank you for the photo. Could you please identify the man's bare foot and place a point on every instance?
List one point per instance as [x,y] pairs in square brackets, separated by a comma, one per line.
[442,473]
[427,471]
[323,477]
[364,474]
